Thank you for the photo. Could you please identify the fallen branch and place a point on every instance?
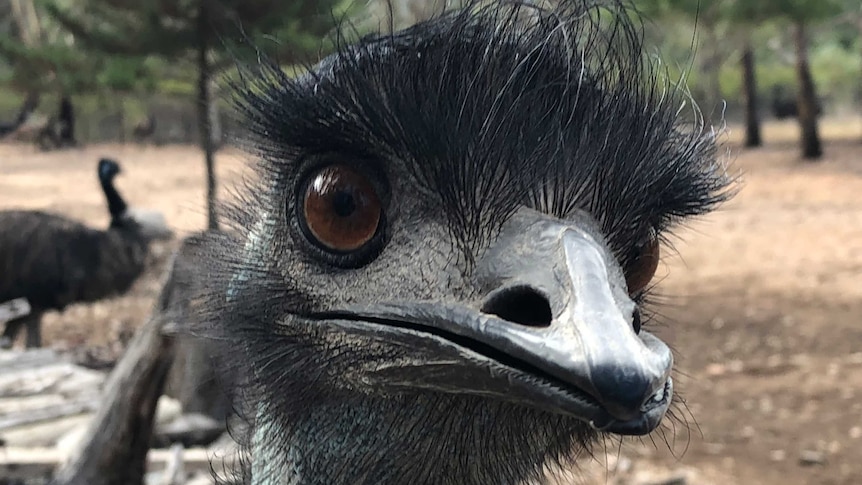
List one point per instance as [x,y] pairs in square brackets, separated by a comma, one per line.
[56,411]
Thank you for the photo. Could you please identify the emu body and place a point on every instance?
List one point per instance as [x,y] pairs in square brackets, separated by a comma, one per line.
[441,269]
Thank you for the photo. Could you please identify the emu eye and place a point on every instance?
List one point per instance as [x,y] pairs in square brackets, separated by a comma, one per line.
[341,208]
[643,266]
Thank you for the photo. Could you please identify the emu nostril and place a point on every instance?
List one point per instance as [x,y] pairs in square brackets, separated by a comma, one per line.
[519,304]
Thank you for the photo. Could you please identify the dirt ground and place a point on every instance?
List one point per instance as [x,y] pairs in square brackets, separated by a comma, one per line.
[762,301]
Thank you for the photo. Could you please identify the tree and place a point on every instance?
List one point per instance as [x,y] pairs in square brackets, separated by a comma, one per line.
[749,94]
[715,21]
[744,15]
[193,30]
[708,20]
[857,13]
[800,14]
[37,67]
[46,58]
[806,95]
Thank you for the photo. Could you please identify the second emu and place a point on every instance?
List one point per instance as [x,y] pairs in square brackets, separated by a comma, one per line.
[53,261]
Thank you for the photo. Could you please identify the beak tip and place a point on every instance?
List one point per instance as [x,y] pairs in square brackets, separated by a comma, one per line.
[626,390]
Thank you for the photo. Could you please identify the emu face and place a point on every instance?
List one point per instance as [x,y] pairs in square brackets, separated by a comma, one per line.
[457,224]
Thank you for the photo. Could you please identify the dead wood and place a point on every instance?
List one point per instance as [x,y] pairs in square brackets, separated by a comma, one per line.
[118,439]
[28,463]
[59,378]
[78,406]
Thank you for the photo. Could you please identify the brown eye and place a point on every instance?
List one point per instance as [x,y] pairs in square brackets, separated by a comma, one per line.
[341,208]
[642,268]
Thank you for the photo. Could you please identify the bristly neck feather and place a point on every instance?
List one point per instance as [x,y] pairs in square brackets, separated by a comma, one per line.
[416,439]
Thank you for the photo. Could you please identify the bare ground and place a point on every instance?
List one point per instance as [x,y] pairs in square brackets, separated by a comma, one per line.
[762,301]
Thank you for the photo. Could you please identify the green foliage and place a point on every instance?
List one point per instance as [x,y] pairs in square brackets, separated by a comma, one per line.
[176,87]
[55,62]
[174,29]
[837,72]
[127,46]
[745,11]
[806,11]
[125,74]
[38,67]
[678,26]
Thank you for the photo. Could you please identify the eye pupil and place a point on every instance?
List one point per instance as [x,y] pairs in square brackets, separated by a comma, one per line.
[343,204]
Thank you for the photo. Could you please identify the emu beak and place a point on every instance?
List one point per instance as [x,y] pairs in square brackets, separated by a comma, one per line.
[588,341]
[554,331]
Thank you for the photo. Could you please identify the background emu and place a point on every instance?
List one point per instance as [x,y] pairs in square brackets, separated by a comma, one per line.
[443,264]
[53,261]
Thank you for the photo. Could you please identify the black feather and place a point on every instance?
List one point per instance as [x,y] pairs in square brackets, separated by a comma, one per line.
[489,113]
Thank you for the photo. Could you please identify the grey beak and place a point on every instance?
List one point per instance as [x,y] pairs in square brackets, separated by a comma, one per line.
[552,329]
[589,341]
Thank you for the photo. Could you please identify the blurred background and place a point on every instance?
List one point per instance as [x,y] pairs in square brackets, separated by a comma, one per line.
[761,300]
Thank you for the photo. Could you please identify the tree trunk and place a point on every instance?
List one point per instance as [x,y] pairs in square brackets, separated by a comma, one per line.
[194,378]
[204,111]
[711,69]
[749,91]
[121,120]
[27,21]
[66,119]
[859,23]
[806,99]
[214,117]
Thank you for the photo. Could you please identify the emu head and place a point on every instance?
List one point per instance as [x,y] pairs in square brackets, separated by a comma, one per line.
[144,224]
[107,169]
[449,244]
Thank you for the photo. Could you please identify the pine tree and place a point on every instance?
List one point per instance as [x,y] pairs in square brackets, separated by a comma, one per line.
[196,30]
[45,58]
[801,14]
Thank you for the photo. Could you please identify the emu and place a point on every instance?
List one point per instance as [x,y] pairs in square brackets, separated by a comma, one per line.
[53,261]
[442,267]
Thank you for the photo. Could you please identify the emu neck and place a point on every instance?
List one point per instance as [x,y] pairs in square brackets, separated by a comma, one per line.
[412,440]
[116,205]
